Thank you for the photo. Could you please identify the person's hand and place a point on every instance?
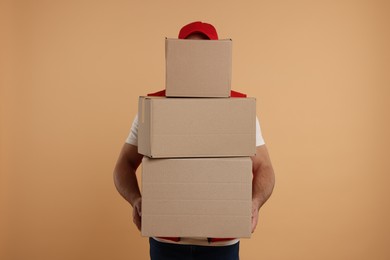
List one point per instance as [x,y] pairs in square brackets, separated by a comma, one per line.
[137,213]
[255,215]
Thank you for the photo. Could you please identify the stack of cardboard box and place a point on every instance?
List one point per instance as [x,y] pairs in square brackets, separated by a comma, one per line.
[197,173]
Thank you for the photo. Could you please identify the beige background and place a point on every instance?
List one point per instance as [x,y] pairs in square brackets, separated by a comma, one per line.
[71,72]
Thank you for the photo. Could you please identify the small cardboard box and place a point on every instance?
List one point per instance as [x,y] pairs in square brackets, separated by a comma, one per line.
[196,127]
[198,68]
[197,197]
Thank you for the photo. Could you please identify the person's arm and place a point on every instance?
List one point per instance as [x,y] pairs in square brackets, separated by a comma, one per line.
[263,181]
[126,181]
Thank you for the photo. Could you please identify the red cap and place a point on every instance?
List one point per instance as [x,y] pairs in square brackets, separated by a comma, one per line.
[198,27]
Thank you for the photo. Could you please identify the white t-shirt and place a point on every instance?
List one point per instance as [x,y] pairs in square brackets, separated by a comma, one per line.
[133,135]
[133,139]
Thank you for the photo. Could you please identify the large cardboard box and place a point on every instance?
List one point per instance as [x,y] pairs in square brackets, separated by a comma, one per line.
[196,68]
[196,127]
[197,197]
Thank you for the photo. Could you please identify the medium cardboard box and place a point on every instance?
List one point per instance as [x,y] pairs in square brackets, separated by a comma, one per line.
[196,127]
[197,197]
[196,68]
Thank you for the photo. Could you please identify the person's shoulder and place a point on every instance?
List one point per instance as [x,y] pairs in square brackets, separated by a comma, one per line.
[160,93]
[234,93]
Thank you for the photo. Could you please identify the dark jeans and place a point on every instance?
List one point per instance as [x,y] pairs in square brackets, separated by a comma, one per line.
[167,251]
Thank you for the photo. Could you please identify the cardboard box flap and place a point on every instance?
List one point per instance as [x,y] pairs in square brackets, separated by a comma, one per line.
[144,126]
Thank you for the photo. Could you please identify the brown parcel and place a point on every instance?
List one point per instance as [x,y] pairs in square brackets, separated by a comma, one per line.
[197,197]
[198,68]
[196,127]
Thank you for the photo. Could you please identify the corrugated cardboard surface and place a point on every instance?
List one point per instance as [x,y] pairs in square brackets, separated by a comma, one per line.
[196,127]
[197,68]
[197,197]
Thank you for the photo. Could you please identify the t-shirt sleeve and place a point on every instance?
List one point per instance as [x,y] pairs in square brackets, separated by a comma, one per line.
[133,135]
[259,137]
